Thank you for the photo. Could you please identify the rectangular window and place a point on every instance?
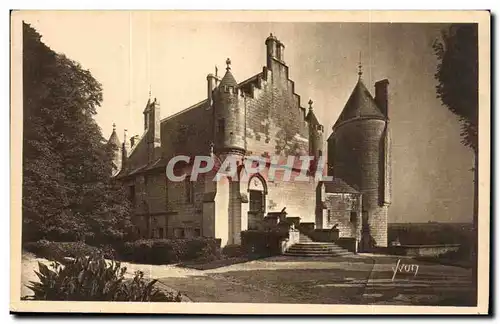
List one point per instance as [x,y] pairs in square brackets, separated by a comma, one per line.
[131,193]
[197,232]
[330,218]
[179,233]
[189,186]
[221,127]
[353,216]
[160,232]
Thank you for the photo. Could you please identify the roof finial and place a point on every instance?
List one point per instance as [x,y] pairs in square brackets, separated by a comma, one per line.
[149,91]
[310,104]
[125,135]
[216,70]
[114,127]
[360,71]
[228,63]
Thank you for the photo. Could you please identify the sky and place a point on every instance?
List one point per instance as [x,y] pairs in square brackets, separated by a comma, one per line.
[133,53]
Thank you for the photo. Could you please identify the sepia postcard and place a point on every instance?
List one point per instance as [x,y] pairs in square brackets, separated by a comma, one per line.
[250,162]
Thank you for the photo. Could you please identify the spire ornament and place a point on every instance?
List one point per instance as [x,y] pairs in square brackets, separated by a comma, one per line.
[114,127]
[228,63]
[360,67]
[310,104]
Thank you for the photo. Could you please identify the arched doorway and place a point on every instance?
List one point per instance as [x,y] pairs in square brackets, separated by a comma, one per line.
[257,191]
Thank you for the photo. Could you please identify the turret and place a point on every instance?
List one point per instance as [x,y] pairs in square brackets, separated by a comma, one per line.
[229,115]
[115,146]
[275,50]
[152,128]
[315,134]
[359,154]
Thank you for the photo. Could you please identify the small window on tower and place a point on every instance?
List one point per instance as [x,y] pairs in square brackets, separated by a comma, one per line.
[353,217]
[221,126]
[132,195]
[189,190]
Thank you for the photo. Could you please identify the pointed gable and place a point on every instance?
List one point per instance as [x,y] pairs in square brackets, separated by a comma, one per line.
[360,104]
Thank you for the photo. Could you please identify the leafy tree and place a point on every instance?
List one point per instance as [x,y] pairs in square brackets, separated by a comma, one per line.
[457,76]
[68,192]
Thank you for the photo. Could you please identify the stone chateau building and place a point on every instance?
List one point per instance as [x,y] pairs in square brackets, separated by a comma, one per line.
[261,116]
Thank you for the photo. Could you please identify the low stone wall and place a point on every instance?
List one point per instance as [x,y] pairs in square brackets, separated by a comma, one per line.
[422,250]
[324,235]
[348,243]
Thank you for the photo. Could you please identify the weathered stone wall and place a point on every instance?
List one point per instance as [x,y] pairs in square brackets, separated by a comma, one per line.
[339,207]
[275,123]
[184,213]
[356,150]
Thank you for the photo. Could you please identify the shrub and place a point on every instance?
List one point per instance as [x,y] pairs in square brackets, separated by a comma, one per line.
[233,250]
[60,250]
[263,242]
[94,279]
[165,251]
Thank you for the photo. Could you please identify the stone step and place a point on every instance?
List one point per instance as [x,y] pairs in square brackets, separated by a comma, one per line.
[315,245]
[319,249]
[331,254]
[316,250]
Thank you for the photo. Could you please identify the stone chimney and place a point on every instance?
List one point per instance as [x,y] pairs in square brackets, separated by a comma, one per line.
[212,81]
[125,150]
[382,96]
[280,51]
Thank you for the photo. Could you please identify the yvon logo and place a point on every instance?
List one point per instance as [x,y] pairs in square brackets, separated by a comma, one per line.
[404,268]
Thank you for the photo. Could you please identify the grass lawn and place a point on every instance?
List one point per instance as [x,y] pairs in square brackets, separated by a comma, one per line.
[280,280]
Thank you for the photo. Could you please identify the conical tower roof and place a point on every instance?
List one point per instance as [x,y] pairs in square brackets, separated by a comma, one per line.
[311,117]
[228,79]
[113,139]
[360,104]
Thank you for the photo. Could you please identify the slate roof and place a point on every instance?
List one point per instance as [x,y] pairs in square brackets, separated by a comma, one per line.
[338,185]
[228,80]
[359,104]
[113,139]
[311,118]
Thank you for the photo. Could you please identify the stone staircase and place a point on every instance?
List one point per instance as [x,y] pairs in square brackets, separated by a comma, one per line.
[308,248]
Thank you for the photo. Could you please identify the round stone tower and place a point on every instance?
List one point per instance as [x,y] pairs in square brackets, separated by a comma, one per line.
[229,116]
[359,154]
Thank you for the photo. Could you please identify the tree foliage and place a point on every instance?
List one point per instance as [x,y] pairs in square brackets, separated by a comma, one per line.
[457,76]
[92,278]
[68,193]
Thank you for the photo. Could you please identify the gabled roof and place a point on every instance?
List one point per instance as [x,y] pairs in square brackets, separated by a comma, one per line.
[359,104]
[338,185]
